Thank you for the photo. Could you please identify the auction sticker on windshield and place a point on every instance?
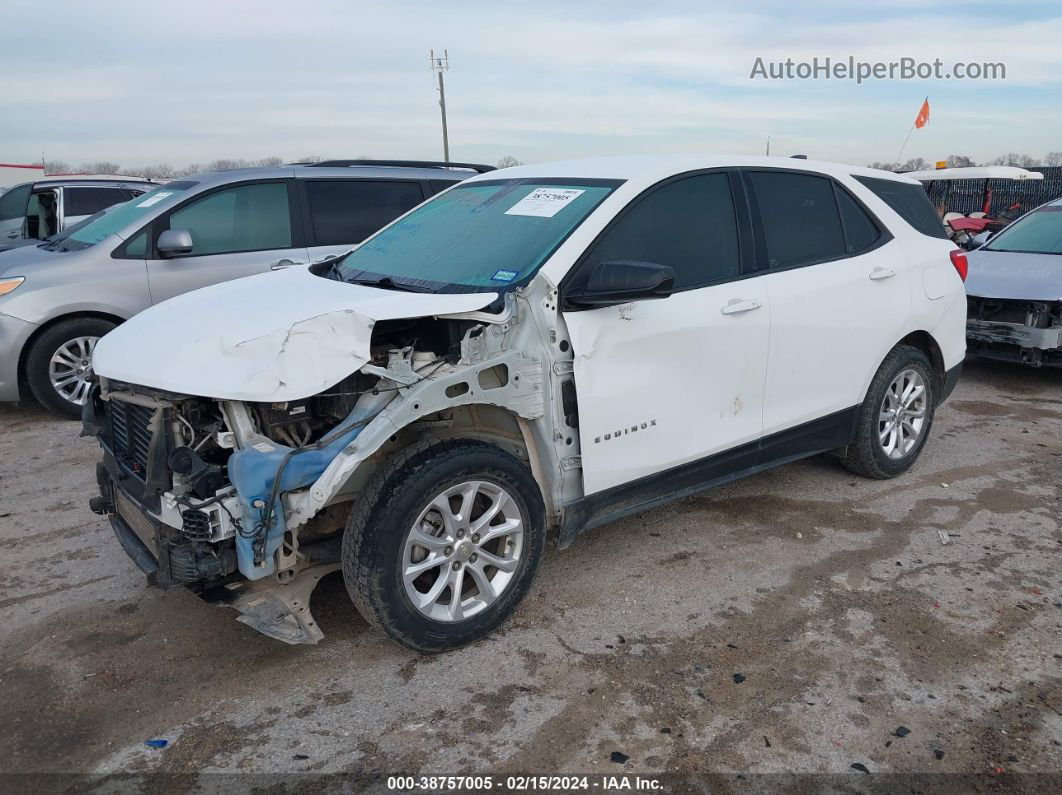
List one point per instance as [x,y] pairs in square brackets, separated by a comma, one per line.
[155,199]
[544,202]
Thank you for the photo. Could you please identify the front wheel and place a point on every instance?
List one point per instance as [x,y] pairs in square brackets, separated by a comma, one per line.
[895,418]
[444,544]
[59,363]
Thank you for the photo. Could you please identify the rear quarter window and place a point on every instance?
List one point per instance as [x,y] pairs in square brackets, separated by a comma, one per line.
[910,202]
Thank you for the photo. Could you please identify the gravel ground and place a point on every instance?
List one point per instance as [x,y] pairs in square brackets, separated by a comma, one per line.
[791,622]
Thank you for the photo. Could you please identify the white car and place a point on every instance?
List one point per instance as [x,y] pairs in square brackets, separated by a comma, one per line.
[531,353]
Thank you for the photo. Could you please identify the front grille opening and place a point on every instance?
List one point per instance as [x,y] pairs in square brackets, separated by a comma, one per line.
[131,440]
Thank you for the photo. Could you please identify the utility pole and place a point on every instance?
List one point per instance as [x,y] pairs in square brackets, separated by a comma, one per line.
[439,65]
[768,146]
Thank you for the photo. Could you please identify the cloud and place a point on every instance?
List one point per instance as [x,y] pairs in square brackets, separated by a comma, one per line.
[197,80]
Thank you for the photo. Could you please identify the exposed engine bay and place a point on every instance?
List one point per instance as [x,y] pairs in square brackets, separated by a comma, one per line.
[1029,332]
[244,502]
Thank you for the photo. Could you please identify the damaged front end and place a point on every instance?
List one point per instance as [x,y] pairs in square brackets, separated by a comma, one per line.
[1023,331]
[244,502]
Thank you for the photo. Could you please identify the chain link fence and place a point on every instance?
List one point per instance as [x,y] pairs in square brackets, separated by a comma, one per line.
[968,195]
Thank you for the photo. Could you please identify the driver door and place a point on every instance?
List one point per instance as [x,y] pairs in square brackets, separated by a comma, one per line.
[677,381]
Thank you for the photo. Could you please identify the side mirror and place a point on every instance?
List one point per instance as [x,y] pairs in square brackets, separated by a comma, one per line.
[174,242]
[612,283]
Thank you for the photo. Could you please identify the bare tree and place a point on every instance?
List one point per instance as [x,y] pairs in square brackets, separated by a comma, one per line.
[56,167]
[100,167]
[191,168]
[884,166]
[1015,159]
[1053,159]
[156,171]
[960,161]
[508,162]
[915,164]
[310,159]
[228,164]
[269,162]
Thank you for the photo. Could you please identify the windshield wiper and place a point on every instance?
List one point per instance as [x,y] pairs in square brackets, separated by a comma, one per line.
[387,283]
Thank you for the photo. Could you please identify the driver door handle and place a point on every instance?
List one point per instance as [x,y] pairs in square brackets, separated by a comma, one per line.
[280,264]
[882,273]
[738,305]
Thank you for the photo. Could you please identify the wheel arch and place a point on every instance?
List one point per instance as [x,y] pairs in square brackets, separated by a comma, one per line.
[923,341]
[52,323]
[486,422]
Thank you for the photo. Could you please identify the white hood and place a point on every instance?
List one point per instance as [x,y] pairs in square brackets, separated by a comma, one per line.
[272,337]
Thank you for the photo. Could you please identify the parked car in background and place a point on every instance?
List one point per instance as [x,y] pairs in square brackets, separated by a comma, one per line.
[1014,291]
[37,210]
[57,299]
[534,352]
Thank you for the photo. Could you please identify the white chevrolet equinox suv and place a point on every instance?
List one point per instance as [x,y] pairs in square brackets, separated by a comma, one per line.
[529,354]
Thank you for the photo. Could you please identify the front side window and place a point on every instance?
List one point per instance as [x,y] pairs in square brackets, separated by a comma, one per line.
[348,211]
[242,218]
[122,216]
[86,201]
[479,236]
[801,223]
[1039,232]
[688,225]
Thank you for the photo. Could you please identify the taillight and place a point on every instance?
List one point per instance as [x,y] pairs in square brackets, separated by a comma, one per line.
[958,259]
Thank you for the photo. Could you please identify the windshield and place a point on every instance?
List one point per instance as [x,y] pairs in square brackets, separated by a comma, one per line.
[476,237]
[1040,232]
[120,216]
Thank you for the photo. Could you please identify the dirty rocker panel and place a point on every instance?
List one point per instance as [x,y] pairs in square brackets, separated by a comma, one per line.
[818,436]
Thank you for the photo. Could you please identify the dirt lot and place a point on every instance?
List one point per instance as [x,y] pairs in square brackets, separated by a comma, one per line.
[832,597]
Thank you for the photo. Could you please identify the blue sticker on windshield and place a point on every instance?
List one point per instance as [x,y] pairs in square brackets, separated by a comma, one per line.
[503,276]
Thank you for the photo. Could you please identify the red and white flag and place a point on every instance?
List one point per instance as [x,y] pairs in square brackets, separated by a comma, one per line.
[922,119]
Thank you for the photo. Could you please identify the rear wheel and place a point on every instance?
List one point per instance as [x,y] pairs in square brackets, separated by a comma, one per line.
[59,363]
[895,417]
[444,544]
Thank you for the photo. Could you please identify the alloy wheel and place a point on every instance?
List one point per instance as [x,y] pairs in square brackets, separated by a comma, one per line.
[463,551]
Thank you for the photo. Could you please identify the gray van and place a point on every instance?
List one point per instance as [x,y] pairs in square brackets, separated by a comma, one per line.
[58,298]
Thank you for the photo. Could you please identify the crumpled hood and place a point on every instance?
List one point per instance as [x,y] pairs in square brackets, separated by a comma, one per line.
[1000,274]
[272,337]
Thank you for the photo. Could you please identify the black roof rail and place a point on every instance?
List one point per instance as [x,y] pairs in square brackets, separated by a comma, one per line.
[478,168]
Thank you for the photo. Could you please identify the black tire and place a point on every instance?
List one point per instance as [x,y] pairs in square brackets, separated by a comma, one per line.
[865,455]
[40,354]
[374,538]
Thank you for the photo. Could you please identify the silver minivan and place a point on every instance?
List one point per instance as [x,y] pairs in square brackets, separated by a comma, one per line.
[58,298]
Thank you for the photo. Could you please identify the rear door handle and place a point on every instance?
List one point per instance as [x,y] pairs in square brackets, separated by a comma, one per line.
[736,306]
[280,264]
[882,273]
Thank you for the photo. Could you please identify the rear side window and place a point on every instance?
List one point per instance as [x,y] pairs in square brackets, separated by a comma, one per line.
[910,202]
[86,201]
[348,211]
[241,218]
[688,225]
[801,223]
[860,232]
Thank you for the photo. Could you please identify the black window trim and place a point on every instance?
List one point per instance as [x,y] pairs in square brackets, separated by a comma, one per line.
[304,202]
[884,235]
[157,225]
[741,218]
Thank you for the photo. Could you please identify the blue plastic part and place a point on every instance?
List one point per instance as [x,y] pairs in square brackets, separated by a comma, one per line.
[252,472]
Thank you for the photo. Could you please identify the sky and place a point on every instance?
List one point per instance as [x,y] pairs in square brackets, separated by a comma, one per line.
[142,83]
